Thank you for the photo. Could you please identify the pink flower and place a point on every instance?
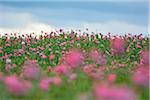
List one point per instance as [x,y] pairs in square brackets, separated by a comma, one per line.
[21,51]
[73,76]
[50,49]
[61,69]
[14,65]
[28,44]
[43,56]
[63,52]
[97,57]
[111,77]
[101,68]
[122,65]
[32,49]
[138,46]
[141,76]
[42,48]
[104,92]
[63,43]
[5,56]
[145,57]
[44,84]
[51,57]
[93,72]
[16,87]
[7,45]
[31,70]
[34,43]
[8,67]
[57,81]
[74,58]
[88,69]
[117,46]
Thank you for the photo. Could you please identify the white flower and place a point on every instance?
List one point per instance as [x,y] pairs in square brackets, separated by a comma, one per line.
[8,61]
[23,38]
[23,42]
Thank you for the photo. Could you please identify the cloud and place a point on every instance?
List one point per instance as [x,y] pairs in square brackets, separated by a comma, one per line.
[116,27]
[30,28]
[27,23]
[18,22]
[15,19]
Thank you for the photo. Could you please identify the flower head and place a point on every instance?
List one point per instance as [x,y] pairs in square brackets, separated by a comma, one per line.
[111,77]
[57,80]
[104,92]
[145,57]
[141,76]
[61,69]
[117,46]
[44,84]
[98,57]
[51,57]
[17,87]
[74,58]
[31,70]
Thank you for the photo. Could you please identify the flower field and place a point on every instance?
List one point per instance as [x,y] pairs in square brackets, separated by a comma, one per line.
[70,66]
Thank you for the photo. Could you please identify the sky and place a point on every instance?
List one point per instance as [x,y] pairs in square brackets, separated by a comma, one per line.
[114,16]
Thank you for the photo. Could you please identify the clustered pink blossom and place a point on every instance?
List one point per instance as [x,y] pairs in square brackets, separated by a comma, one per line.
[111,77]
[145,57]
[57,80]
[45,83]
[61,69]
[51,57]
[43,56]
[106,92]
[16,86]
[141,76]
[74,58]
[117,46]
[93,72]
[98,57]
[31,70]
[71,62]
[73,76]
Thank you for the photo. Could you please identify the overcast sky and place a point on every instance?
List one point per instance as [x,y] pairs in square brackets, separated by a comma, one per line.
[115,16]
